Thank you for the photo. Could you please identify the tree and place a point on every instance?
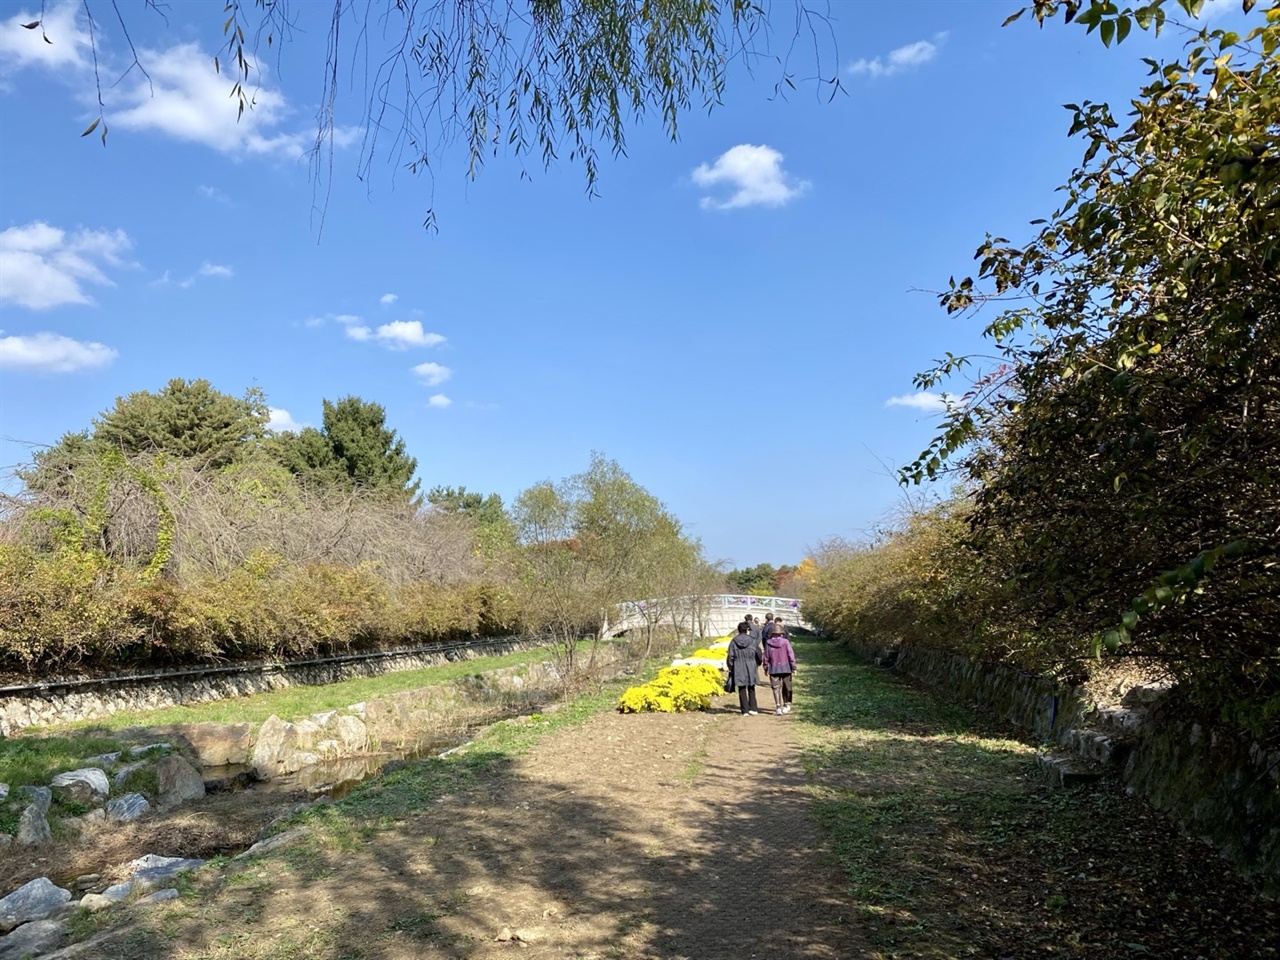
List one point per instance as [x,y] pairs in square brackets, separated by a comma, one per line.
[592,541]
[543,78]
[188,419]
[354,447]
[1126,453]
[493,525]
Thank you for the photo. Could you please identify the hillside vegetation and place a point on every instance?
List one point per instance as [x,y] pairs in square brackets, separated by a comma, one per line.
[1117,465]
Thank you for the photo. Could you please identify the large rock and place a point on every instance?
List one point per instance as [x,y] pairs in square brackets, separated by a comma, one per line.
[86,785]
[33,826]
[4,792]
[122,775]
[352,734]
[102,760]
[149,873]
[285,747]
[177,781]
[38,797]
[218,744]
[32,939]
[31,901]
[127,808]
[278,842]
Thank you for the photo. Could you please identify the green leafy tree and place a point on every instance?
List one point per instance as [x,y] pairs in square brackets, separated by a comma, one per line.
[541,79]
[1126,453]
[354,447]
[188,419]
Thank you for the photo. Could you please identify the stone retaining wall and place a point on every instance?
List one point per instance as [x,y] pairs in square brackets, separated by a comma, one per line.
[1218,784]
[71,704]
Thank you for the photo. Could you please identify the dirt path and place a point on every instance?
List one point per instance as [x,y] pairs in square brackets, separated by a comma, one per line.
[672,836]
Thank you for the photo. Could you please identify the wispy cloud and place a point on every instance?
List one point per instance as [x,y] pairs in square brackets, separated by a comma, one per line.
[53,353]
[213,193]
[439,401]
[208,269]
[43,266]
[754,173]
[923,401]
[907,57]
[61,41]
[281,421]
[387,299]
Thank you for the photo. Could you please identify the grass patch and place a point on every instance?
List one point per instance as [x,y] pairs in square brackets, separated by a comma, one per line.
[35,760]
[951,845]
[294,703]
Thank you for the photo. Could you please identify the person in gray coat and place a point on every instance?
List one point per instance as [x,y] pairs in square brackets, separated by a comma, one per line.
[743,658]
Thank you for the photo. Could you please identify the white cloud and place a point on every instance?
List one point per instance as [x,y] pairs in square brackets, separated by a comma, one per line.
[208,269]
[387,299]
[63,25]
[403,334]
[358,331]
[43,266]
[902,58]
[186,98]
[432,374]
[439,401]
[755,173]
[281,420]
[53,353]
[924,401]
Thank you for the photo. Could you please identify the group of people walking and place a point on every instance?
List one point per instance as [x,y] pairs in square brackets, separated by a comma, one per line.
[758,645]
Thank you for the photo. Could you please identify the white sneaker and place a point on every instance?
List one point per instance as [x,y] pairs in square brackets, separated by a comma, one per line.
[778,711]
[786,708]
[752,713]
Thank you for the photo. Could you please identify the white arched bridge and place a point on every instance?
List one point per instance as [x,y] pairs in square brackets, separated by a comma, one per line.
[706,615]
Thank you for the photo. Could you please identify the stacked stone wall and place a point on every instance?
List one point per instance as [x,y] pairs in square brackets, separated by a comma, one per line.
[73,701]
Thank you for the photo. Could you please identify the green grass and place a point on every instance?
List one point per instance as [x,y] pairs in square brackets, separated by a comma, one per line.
[294,703]
[37,760]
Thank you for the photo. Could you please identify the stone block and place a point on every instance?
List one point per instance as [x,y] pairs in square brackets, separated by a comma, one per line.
[87,785]
[218,744]
[127,808]
[177,781]
[34,900]
[32,939]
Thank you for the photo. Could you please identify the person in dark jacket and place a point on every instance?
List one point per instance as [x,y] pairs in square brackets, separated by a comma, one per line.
[743,658]
[753,627]
[779,663]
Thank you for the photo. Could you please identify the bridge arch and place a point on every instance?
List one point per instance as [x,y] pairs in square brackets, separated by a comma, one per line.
[704,615]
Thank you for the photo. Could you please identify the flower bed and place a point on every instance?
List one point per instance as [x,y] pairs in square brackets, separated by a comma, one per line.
[673,690]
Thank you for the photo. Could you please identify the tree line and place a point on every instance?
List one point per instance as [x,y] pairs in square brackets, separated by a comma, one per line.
[179,527]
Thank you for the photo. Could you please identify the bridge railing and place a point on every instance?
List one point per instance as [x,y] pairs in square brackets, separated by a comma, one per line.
[716,601]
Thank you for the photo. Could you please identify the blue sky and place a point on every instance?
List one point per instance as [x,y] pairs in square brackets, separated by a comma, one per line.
[736,318]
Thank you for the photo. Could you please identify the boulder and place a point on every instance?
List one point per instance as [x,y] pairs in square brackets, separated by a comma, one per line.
[127,808]
[324,718]
[160,896]
[33,826]
[151,872]
[218,744]
[88,824]
[352,734]
[39,797]
[31,901]
[4,792]
[177,781]
[149,750]
[32,939]
[286,839]
[102,760]
[6,841]
[86,785]
[284,747]
[95,902]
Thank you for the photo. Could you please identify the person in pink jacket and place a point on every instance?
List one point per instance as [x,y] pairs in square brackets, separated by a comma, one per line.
[779,664]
